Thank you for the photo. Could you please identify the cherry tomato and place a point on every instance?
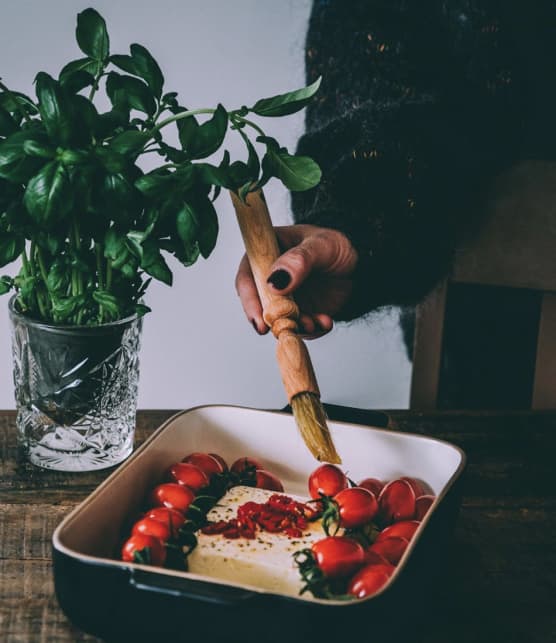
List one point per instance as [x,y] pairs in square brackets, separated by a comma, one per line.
[170,517]
[152,527]
[403,529]
[369,580]
[208,464]
[373,558]
[221,460]
[246,463]
[374,485]
[338,556]
[417,486]
[391,548]
[327,480]
[188,475]
[172,495]
[396,502]
[357,506]
[422,505]
[141,548]
[266,480]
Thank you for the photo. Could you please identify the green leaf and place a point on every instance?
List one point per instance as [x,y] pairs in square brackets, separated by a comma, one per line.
[108,301]
[6,284]
[154,264]
[32,147]
[130,91]
[187,225]
[82,64]
[208,137]
[124,62]
[55,109]
[11,246]
[129,142]
[77,81]
[147,68]
[7,124]
[114,162]
[91,34]
[48,196]
[285,104]
[15,165]
[141,309]
[58,276]
[208,226]
[64,307]
[297,173]
[14,102]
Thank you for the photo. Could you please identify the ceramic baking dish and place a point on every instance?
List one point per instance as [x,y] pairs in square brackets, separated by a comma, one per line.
[124,601]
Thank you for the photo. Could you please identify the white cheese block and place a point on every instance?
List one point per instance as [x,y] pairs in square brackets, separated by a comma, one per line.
[265,561]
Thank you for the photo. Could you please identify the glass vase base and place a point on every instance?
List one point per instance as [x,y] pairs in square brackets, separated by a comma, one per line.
[77,448]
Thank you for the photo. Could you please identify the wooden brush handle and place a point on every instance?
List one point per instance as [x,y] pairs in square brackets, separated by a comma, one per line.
[280,312]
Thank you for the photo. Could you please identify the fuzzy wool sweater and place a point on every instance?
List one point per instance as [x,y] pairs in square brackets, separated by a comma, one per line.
[422,104]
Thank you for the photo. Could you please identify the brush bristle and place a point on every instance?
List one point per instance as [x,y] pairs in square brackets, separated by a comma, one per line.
[311,421]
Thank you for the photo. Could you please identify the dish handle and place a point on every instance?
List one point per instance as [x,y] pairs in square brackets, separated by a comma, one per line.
[148,581]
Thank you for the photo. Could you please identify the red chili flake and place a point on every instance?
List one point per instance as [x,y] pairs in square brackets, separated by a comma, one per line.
[279,514]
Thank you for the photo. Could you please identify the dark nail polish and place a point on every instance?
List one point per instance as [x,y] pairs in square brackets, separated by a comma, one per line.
[279,279]
[254,324]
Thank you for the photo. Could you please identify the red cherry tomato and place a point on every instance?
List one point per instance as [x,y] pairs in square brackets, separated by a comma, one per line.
[172,495]
[396,502]
[208,464]
[369,580]
[188,475]
[374,485]
[327,480]
[267,480]
[152,527]
[244,464]
[404,529]
[372,558]
[357,507]
[417,486]
[170,517]
[422,505]
[338,556]
[220,459]
[141,548]
[391,548]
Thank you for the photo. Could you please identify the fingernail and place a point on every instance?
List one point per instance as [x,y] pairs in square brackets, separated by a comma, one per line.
[254,324]
[279,279]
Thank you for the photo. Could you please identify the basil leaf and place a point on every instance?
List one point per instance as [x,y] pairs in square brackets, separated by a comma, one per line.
[108,301]
[8,125]
[15,165]
[187,225]
[288,103]
[147,68]
[130,91]
[154,264]
[6,284]
[297,173]
[91,34]
[208,137]
[55,109]
[11,246]
[77,81]
[13,102]
[141,309]
[82,64]
[32,147]
[129,142]
[125,63]
[58,276]
[208,226]
[48,196]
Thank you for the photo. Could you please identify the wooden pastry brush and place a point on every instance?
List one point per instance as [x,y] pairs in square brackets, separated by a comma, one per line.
[281,314]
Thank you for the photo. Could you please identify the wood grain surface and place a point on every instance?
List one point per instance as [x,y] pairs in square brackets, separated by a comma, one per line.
[504,557]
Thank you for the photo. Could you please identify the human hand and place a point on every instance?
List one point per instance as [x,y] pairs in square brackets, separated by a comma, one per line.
[316,267]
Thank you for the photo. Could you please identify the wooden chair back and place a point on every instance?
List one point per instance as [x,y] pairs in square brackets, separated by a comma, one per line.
[515,248]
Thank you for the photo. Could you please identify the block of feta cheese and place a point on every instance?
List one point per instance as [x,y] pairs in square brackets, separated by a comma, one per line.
[265,561]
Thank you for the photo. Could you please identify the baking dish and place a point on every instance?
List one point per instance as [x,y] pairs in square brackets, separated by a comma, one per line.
[123,601]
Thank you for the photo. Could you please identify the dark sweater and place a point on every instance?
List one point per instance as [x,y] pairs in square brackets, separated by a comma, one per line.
[422,103]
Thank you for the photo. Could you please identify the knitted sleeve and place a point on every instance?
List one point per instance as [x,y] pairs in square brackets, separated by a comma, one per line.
[415,115]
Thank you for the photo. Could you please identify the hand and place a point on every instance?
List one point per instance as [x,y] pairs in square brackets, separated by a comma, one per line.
[316,267]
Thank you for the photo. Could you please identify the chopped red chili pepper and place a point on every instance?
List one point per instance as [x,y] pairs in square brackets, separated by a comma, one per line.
[278,514]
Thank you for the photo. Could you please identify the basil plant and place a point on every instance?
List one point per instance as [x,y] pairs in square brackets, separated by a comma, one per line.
[92,229]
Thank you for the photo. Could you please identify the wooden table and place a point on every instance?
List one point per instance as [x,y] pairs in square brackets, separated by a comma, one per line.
[504,571]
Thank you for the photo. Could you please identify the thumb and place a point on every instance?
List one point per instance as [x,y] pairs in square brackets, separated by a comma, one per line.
[293,267]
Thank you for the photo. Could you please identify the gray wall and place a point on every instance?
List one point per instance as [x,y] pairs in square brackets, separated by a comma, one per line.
[197,346]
